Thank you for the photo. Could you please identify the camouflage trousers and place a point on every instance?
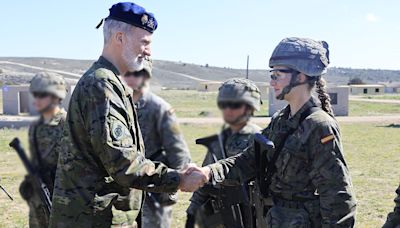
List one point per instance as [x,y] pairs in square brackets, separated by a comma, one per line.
[152,218]
[37,213]
[125,219]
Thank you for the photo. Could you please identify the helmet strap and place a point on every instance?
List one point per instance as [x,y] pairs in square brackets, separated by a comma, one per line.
[293,83]
[245,117]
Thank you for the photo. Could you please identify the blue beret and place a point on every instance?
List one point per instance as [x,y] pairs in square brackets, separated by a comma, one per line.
[133,14]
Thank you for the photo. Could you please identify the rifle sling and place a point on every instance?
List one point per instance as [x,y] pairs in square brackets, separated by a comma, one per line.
[270,168]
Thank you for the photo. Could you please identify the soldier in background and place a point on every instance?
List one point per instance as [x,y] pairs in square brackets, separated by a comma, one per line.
[48,90]
[219,205]
[163,141]
[393,219]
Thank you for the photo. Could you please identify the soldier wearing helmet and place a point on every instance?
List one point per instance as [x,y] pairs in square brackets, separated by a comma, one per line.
[219,205]
[48,90]
[298,159]
[163,140]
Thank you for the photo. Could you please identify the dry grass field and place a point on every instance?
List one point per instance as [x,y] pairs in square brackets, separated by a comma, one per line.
[372,152]
[373,162]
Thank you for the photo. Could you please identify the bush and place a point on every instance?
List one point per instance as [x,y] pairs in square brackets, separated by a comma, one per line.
[355,81]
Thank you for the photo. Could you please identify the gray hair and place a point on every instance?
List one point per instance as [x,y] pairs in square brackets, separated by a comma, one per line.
[113,26]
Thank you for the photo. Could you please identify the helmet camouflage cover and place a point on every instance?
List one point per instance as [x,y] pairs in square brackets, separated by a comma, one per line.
[240,90]
[305,55]
[148,66]
[48,82]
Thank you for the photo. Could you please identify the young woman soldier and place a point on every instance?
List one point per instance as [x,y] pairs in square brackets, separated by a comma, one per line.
[307,179]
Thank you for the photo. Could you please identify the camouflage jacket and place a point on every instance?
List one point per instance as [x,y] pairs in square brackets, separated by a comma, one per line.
[162,137]
[393,219]
[43,143]
[233,145]
[102,139]
[310,165]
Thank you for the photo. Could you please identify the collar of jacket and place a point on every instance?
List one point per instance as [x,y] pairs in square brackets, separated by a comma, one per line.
[108,65]
[141,103]
[293,122]
[56,119]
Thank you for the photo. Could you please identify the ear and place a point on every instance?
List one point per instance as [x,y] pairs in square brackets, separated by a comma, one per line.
[302,78]
[118,37]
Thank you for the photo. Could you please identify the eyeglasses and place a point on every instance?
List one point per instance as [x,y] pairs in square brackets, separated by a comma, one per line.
[230,105]
[40,95]
[274,76]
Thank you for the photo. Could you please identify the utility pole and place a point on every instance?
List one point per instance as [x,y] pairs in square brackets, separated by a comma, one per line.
[247,68]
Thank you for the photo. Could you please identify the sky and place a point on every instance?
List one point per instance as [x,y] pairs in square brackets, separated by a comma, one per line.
[361,34]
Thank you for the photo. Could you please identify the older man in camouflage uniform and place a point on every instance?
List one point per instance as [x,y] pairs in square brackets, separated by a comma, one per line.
[48,90]
[163,140]
[219,205]
[393,220]
[103,151]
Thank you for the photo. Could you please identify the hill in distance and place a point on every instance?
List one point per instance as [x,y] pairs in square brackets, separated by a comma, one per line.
[169,74]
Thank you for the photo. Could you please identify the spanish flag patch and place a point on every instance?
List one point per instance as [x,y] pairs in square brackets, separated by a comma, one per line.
[327,138]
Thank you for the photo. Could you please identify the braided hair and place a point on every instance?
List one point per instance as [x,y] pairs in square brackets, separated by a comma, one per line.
[322,92]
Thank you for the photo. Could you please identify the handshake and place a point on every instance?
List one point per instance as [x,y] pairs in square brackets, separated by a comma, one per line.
[193,177]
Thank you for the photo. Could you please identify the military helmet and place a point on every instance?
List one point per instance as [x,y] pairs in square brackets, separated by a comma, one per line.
[302,54]
[48,82]
[148,66]
[240,90]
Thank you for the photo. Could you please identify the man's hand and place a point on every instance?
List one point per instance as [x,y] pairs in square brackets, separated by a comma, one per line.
[193,177]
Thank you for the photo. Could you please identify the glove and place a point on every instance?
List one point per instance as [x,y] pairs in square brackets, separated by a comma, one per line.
[26,188]
[190,221]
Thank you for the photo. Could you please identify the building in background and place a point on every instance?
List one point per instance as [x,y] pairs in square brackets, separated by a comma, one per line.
[391,87]
[339,100]
[367,89]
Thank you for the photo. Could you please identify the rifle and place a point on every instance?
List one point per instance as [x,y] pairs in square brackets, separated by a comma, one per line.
[223,207]
[4,190]
[38,183]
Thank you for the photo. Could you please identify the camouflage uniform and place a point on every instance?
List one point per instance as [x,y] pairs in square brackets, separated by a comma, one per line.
[164,143]
[43,144]
[45,136]
[102,154]
[308,171]
[219,205]
[311,186]
[393,220]
[234,143]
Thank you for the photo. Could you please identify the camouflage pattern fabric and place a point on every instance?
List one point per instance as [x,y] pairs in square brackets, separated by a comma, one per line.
[234,143]
[311,174]
[46,136]
[162,136]
[102,153]
[240,90]
[164,143]
[393,220]
[49,82]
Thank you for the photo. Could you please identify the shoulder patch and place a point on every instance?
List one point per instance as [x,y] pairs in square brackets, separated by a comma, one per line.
[118,130]
[327,138]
